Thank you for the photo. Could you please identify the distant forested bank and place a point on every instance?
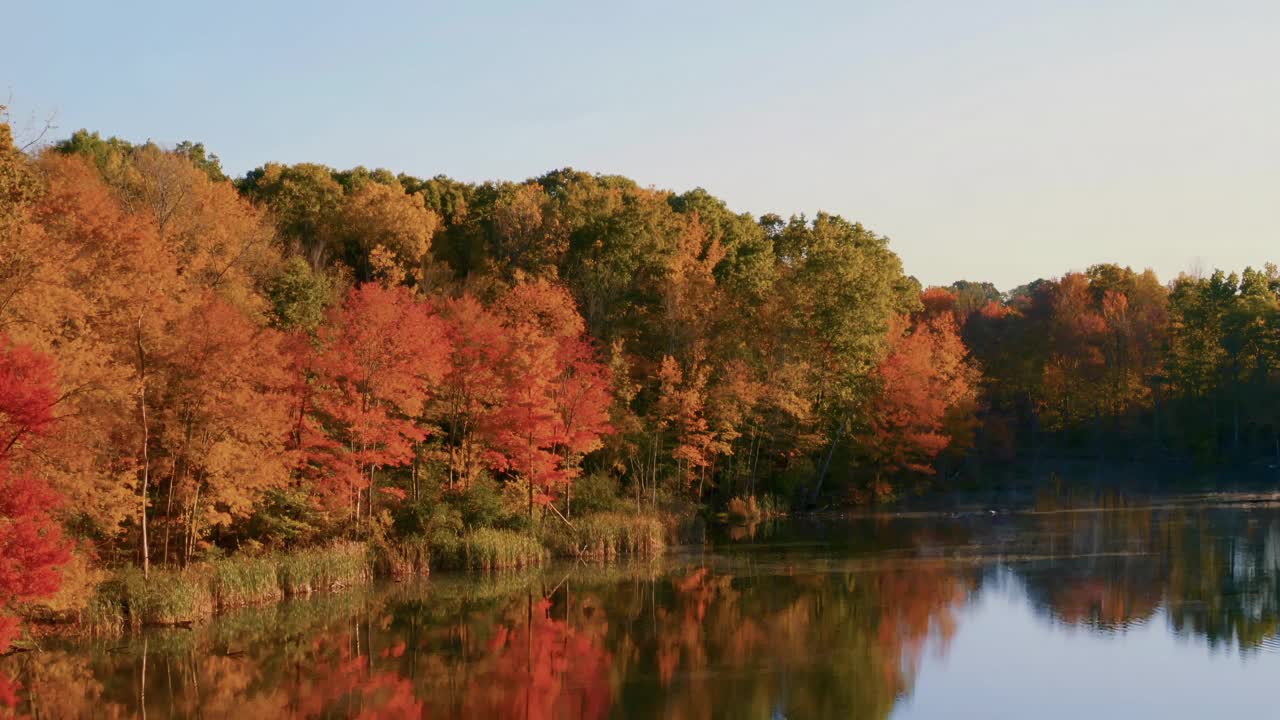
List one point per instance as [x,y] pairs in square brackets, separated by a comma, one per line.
[193,365]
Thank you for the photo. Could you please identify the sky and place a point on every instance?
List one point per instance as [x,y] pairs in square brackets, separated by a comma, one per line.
[990,140]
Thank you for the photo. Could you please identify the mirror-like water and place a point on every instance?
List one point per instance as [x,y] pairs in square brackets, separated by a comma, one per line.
[1159,611]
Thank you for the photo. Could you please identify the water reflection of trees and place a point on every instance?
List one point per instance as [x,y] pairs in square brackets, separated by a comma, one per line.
[806,638]
[820,644]
[1212,571]
[797,627]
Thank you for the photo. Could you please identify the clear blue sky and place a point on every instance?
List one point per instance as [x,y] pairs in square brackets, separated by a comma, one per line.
[994,140]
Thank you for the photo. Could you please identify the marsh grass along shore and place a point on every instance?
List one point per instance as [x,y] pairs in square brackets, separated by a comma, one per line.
[127,601]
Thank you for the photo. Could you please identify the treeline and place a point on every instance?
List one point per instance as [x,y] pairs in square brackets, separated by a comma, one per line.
[1113,364]
[193,366]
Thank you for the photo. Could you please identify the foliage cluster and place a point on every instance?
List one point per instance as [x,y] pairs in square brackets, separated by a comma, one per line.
[192,366]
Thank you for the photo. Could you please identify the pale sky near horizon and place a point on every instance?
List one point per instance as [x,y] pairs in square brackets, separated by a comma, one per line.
[999,140]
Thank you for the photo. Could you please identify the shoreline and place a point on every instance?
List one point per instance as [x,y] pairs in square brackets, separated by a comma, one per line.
[126,602]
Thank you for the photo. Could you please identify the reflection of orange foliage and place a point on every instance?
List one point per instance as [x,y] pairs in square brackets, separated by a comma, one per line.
[708,644]
[57,685]
[682,634]
[738,533]
[8,693]
[540,669]
[865,637]
[345,685]
[916,605]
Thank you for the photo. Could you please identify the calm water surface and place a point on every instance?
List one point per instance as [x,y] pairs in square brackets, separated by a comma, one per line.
[1165,609]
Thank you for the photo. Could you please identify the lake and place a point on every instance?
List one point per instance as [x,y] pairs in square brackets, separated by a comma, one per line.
[1102,608]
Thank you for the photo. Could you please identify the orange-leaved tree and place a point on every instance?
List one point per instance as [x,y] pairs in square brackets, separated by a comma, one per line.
[225,425]
[582,397]
[112,332]
[555,405]
[473,386]
[522,431]
[925,376]
[681,409]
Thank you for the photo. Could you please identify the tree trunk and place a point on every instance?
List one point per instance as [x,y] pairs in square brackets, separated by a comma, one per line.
[826,463]
[168,511]
[146,443]
[191,527]
[415,472]
[529,456]
[168,516]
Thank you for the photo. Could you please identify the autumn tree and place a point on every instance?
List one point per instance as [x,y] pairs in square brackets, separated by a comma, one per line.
[555,400]
[300,295]
[382,354]
[225,422]
[527,235]
[31,543]
[746,265]
[681,414]
[109,330]
[305,201]
[925,375]
[582,396]
[473,386]
[846,286]
[387,232]
[1073,377]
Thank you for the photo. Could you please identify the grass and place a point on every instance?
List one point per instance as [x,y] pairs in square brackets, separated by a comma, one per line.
[749,509]
[103,615]
[491,549]
[196,593]
[744,509]
[610,535]
[407,557]
[323,569]
[168,597]
[240,581]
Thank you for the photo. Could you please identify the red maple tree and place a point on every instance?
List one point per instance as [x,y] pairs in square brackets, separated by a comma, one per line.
[380,355]
[32,548]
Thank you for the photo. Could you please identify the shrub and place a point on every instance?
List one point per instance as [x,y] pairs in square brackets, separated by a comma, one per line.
[595,493]
[425,517]
[772,505]
[285,517]
[794,482]
[482,504]
[80,580]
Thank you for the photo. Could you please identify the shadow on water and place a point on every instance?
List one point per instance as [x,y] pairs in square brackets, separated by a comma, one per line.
[806,617]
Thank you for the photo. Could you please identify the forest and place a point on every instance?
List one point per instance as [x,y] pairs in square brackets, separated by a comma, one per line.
[194,367]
